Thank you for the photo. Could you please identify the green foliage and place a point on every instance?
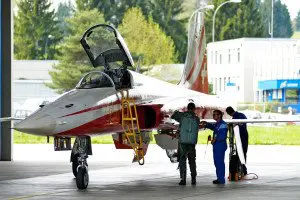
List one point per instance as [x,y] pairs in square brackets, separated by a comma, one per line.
[145,38]
[235,20]
[64,11]
[281,19]
[163,12]
[36,32]
[298,21]
[74,62]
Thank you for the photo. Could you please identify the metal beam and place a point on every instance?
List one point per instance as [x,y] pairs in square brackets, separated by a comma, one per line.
[5,80]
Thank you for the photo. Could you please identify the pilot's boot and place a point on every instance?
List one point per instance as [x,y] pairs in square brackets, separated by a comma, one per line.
[183,177]
[193,180]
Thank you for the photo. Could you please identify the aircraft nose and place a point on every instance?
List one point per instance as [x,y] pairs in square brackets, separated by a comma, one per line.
[37,125]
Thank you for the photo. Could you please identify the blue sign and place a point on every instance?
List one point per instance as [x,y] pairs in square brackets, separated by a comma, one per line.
[279,84]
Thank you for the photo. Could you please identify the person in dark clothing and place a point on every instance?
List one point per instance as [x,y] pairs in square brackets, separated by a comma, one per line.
[188,136]
[220,130]
[243,132]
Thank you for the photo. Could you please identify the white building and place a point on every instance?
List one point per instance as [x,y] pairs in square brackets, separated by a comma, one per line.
[235,67]
[28,86]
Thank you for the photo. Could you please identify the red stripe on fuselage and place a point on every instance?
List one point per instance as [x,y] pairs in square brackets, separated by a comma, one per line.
[93,108]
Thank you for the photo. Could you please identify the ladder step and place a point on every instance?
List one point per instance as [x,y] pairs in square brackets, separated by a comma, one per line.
[129,119]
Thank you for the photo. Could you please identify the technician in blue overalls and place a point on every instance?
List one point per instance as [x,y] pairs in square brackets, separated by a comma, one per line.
[243,132]
[219,144]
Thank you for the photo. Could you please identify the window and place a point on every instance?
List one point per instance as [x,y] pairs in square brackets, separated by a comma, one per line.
[220,58]
[216,57]
[220,84]
[238,55]
[95,80]
[224,83]
[229,60]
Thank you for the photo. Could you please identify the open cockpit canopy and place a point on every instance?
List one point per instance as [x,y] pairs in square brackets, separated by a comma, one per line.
[106,47]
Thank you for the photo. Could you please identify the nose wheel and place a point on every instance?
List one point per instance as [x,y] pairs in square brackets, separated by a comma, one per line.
[79,155]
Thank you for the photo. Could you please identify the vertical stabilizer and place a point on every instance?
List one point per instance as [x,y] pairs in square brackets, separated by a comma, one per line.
[194,74]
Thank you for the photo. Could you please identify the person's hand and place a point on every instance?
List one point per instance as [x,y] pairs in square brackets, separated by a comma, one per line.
[213,141]
[202,124]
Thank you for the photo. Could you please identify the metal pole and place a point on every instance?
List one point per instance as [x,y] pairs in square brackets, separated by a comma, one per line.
[213,30]
[272,18]
[213,27]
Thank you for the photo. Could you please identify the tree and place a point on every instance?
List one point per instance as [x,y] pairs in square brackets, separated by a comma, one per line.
[246,23]
[145,38]
[298,21]
[64,11]
[282,21]
[164,12]
[74,62]
[235,21]
[36,31]
[282,25]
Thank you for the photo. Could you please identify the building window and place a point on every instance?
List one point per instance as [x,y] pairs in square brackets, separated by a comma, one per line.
[238,55]
[228,79]
[220,84]
[220,58]
[216,85]
[224,83]
[216,57]
[229,56]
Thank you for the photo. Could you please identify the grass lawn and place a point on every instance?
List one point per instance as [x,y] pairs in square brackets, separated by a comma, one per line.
[296,35]
[286,135]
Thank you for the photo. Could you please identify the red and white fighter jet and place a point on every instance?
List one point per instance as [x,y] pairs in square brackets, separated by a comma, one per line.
[93,107]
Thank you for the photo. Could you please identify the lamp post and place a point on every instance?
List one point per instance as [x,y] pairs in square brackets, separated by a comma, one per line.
[46,45]
[213,28]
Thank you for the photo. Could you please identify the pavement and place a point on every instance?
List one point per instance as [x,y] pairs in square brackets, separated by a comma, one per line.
[38,172]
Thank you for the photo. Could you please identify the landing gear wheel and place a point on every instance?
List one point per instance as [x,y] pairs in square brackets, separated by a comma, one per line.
[82,179]
[74,167]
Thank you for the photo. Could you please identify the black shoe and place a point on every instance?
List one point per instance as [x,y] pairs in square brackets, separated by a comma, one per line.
[193,181]
[217,182]
[182,182]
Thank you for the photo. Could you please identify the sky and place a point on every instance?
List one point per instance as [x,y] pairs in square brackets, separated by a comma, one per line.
[292,5]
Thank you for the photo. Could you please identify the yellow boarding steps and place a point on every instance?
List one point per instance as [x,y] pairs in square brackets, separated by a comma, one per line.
[130,124]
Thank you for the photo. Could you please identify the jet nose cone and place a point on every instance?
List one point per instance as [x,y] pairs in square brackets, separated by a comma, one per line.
[37,125]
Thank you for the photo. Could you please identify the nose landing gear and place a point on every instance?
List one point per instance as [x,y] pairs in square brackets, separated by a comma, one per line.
[81,149]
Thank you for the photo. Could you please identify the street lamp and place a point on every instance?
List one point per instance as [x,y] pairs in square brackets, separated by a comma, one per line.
[213,28]
[46,45]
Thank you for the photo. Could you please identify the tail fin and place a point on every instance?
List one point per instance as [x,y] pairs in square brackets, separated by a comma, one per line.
[194,74]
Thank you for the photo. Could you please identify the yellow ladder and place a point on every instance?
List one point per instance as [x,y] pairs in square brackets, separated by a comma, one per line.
[130,124]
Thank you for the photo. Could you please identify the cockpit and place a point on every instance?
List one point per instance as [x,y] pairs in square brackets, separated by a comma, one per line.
[106,48]
[117,78]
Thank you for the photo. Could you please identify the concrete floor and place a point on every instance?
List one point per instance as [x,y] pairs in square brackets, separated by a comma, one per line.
[40,173]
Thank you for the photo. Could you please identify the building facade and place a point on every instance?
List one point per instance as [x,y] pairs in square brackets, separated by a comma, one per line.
[238,68]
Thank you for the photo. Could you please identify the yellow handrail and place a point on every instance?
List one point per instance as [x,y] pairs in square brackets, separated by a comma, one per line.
[130,124]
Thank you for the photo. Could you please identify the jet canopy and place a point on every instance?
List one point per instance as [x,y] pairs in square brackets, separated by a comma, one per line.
[106,47]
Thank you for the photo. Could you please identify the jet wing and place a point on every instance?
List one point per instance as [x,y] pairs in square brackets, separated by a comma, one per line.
[7,119]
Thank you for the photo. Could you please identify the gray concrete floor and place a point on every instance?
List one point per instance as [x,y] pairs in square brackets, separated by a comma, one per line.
[39,173]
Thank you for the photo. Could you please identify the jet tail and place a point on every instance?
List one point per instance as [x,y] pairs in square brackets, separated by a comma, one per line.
[194,74]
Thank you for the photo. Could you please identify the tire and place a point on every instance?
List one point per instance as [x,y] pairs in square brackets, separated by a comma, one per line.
[82,179]
[74,168]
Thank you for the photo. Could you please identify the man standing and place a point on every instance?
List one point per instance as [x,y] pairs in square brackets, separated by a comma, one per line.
[243,132]
[188,136]
[219,144]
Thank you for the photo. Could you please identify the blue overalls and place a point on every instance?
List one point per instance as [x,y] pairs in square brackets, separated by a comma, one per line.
[244,136]
[219,147]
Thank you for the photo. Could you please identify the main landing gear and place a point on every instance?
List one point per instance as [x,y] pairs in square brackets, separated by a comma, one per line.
[81,149]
